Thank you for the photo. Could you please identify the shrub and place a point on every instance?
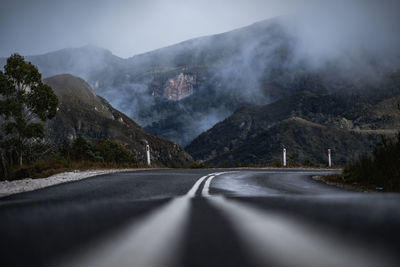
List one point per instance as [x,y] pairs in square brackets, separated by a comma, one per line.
[82,154]
[40,168]
[113,151]
[382,168]
[292,159]
[82,149]
[308,162]
[277,163]
[197,165]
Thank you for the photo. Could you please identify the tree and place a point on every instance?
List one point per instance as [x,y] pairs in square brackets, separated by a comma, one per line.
[113,151]
[25,103]
[82,149]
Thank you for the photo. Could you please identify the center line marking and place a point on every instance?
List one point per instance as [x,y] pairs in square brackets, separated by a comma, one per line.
[193,190]
[206,188]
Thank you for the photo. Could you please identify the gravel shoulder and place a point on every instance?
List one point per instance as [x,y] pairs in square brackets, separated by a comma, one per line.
[29,184]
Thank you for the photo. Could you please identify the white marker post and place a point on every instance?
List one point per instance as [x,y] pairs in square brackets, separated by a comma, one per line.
[148,154]
[329,158]
[284,157]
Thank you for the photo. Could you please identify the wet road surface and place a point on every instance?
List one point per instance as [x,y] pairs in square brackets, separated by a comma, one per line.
[215,217]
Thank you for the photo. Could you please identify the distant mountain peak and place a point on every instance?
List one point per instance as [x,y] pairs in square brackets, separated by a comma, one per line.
[89,48]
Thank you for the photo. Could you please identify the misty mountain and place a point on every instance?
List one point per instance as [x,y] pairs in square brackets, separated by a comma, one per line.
[180,91]
[307,124]
[208,64]
[83,62]
[81,111]
[138,86]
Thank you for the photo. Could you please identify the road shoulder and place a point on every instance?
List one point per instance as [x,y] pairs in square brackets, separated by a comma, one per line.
[18,186]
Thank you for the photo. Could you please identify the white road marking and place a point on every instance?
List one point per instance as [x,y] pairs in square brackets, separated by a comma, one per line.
[145,241]
[157,239]
[206,188]
[272,238]
[193,190]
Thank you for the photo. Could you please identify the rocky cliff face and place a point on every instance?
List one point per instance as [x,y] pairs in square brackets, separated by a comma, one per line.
[81,111]
[179,87]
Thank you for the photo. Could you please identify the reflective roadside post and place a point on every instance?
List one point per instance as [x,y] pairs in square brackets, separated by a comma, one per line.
[284,156]
[148,154]
[329,158]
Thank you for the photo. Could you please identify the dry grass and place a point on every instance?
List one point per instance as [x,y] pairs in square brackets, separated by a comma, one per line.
[340,180]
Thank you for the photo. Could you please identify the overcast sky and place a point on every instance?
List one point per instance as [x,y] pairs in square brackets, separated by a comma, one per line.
[126,27]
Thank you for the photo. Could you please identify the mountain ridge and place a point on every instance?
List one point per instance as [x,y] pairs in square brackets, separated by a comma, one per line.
[293,122]
[81,111]
[254,65]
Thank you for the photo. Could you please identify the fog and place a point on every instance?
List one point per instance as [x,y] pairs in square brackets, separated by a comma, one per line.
[126,27]
[307,45]
[348,32]
[331,46]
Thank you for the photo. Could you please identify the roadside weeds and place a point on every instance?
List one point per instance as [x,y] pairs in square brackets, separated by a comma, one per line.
[338,180]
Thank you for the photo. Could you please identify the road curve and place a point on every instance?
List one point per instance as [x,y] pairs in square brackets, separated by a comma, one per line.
[216,217]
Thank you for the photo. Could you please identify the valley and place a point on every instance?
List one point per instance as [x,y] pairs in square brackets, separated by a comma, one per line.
[243,84]
[169,133]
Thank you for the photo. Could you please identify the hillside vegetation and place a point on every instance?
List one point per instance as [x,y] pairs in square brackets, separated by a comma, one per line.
[379,170]
[81,111]
[80,155]
[87,132]
[307,124]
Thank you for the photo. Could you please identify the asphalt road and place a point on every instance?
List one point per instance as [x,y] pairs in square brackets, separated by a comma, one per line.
[184,218]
